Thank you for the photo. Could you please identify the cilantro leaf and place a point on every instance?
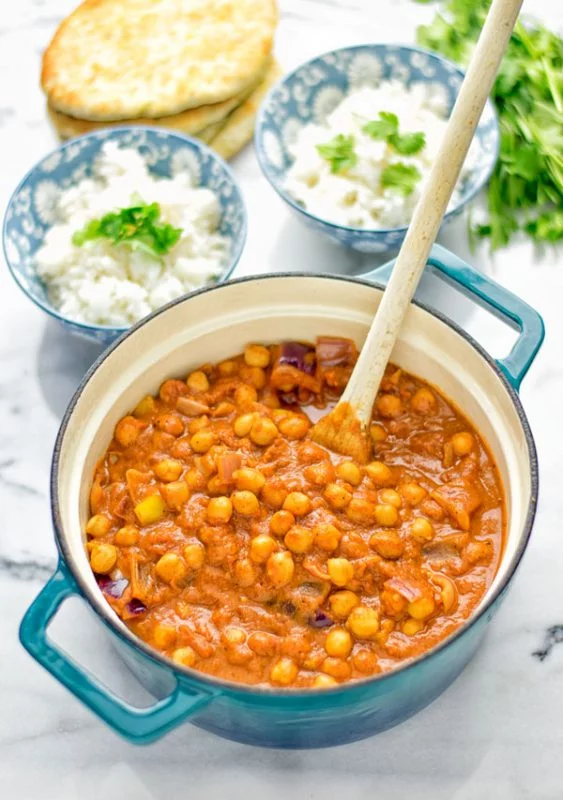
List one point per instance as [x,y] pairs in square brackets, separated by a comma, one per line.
[407,144]
[340,152]
[400,177]
[384,127]
[137,227]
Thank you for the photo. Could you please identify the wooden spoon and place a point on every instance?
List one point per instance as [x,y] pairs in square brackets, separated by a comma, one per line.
[346,428]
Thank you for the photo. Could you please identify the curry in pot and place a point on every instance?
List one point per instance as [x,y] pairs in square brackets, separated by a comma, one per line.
[229,541]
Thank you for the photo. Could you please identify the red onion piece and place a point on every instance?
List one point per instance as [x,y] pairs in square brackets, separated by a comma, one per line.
[300,356]
[334,352]
[406,589]
[112,588]
[135,607]
[320,620]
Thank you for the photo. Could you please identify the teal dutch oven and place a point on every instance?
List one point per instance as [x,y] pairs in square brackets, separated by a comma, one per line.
[210,325]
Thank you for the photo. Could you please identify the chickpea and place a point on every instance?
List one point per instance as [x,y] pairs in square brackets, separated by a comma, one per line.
[337,496]
[462,443]
[423,401]
[294,427]
[256,355]
[249,479]
[170,568]
[197,382]
[263,431]
[361,511]
[422,529]
[233,635]
[412,493]
[387,543]
[336,668]
[284,671]
[340,571]
[127,536]
[219,509]
[363,622]
[342,603]
[320,474]
[422,608]
[127,430]
[280,568]
[98,525]
[245,503]
[274,495]
[216,487]
[170,423]
[163,636]
[245,573]
[379,473]
[327,536]
[298,503]
[390,497]
[253,375]
[169,470]
[243,424]
[194,555]
[223,409]
[412,626]
[198,424]
[338,643]
[227,368]
[298,539]
[392,602]
[365,661]
[185,656]
[386,515]
[261,548]
[202,440]
[389,405]
[324,682]
[176,494]
[281,522]
[349,472]
[103,558]
[378,433]
[245,395]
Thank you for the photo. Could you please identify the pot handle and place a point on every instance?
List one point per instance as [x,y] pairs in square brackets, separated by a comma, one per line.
[138,725]
[495,298]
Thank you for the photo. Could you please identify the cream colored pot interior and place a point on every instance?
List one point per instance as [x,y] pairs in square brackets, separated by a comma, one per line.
[217,324]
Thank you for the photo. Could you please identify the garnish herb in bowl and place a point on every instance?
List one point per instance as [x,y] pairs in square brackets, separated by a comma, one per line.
[340,152]
[387,128]
[137,227]
[526,190]
[400,177]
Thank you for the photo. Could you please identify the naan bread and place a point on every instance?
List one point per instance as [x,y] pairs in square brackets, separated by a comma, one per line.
[121,59]
[239,127]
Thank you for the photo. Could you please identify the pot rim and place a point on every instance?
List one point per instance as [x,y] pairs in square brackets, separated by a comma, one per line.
[107,615]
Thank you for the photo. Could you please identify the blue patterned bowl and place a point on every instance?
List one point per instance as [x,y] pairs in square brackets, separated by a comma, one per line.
[31,210]
[313,90]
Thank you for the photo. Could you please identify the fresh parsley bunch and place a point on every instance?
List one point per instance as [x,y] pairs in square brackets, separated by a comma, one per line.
[526,189]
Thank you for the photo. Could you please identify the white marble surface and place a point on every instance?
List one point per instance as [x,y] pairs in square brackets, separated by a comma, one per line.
[497,733]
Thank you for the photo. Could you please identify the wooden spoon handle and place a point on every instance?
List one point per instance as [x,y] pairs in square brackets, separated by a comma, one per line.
[431,207]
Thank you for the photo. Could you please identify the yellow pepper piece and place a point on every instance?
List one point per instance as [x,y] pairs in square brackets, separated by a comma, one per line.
[150,510]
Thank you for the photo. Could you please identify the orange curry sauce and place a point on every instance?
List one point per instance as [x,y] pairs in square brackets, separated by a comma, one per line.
[228,540]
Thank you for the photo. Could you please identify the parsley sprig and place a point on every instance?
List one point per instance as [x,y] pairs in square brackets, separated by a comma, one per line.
[526,190]
[340,152]
[387,128]
[137,227]
[402,178]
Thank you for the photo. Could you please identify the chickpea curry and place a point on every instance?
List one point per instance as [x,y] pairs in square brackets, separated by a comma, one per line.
[229,541]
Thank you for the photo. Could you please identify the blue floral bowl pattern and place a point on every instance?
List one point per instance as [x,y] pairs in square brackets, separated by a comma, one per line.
[32,208]
[313,90]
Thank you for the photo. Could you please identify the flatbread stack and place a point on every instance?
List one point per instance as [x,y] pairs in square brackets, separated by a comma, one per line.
[200,67]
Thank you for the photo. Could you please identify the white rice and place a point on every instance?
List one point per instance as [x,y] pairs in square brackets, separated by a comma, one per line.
[105,284]
[354,197]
